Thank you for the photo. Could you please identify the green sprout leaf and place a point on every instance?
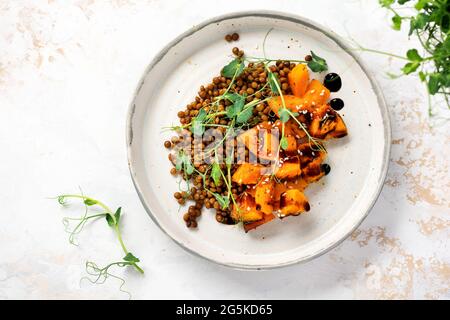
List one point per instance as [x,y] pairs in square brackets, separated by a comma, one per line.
[410,67]
[61,200]
[131,258]
[421,4]
[183,162]
[110,220]
[284,143]
[422,76]
[216,173]
[274,83]
[418,22]
[238,103]
[117,215]
[317,64]
[433,83]
[245,115]
[223,201]
[413,55]
[386,3]
[198,127]
[284,115]
[233,69]
[396,22]
[90,202]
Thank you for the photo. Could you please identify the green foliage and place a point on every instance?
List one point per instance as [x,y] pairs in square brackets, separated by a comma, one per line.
[216,173]
[183,162]
[113,219]
[198,124]
[274,83]
[431,24]
[233,69]
[317,64]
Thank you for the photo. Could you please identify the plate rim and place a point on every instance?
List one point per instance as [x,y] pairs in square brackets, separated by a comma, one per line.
[275,15]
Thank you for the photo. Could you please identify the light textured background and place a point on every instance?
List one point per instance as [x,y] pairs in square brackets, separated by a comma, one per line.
[67,73]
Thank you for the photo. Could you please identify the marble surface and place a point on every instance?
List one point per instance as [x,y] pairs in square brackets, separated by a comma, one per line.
[68,70]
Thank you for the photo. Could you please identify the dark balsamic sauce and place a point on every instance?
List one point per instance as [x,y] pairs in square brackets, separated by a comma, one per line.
[325,168]
[332,82]
[337,104]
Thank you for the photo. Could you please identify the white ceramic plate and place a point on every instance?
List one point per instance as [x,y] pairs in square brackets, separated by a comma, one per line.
[339,202]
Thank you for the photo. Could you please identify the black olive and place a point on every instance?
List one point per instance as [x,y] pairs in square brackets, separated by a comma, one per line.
[332,82]
[337,104]
[325,168]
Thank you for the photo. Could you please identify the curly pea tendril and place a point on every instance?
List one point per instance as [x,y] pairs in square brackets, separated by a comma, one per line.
[98,275]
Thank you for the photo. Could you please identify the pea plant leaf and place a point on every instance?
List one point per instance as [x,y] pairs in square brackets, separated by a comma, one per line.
[216,173]
[410,67]
[418,22]
[386,3]
[245,115]
[433,83]
[284,115]
[396,22]
[183,162]
[198,127]
[317,64]
[223,201]
[413,55]
[110,220]
[238,103]
[117,215]
[90,202]
[274,83]
[233,69]
[131,258]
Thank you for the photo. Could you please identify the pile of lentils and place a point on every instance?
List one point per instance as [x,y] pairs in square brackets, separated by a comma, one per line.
[252,79]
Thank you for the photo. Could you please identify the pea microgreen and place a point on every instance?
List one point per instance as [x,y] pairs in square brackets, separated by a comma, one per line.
[284,115]
[183,162]
[238,103]
[113,219]
[274,83]
[216,173]
[430,23]
[198,127]
[233,69]
[317,64]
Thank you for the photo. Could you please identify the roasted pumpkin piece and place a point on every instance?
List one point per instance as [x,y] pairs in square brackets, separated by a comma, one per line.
[264,195]
[251,190]
[260,141]
[248,173]
[293,202]
[340,129]
[308,152]
[299,79]
[288,169]
[292,103]
[316,94]
[313,170]
[245,210]
[267,145]
[281,187]
[291,128]
[327,124]
[299,184]
[291,144]
[252,225]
